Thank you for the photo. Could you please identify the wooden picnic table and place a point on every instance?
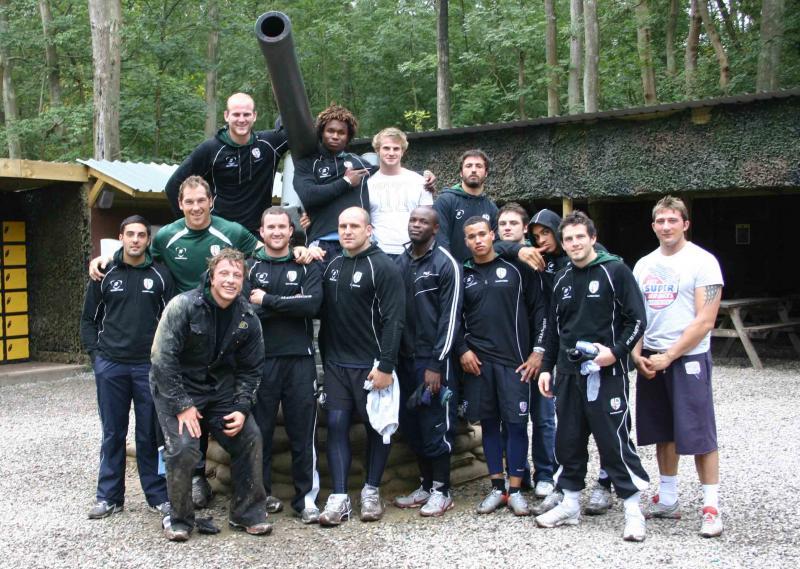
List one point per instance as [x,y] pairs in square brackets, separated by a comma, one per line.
[746,318]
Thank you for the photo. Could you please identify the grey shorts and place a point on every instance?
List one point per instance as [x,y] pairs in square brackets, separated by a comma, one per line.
[677,405]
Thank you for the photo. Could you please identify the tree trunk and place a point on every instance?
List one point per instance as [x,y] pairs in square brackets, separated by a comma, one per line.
[590,72]
[443,67]
[726,19]
[212,61]
[692,41]
[672,24]
[553,108]
[642,12]
[50,54]
[769,56]
[719,49]
[10,110]
[106,21]
[521,85]
[575,86]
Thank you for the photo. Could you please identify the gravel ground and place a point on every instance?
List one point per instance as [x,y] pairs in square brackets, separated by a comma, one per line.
[48,464]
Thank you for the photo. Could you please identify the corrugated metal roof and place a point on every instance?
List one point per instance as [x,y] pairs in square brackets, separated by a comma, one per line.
[139,176]
[602,115]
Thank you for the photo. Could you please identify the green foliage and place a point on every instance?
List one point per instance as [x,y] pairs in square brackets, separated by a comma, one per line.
[377,57]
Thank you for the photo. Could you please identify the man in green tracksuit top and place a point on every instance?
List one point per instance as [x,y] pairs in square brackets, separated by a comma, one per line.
[185,245]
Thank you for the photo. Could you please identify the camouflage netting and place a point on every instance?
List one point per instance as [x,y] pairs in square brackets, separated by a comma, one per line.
[58,237]
[727,147]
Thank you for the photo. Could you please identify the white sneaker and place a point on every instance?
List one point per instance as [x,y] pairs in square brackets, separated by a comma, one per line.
[543,489]
[337,509]
[414,500]
[712,522]
[635,527]
[550,502]
[599,501]
[491,502]
[436,505]
[518,504]
[558,516]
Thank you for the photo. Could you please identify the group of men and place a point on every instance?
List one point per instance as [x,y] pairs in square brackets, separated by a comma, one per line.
[475,322]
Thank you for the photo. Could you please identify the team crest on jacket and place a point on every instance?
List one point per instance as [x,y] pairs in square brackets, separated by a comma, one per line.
[262,278]
[180,253]
[594,286]
[459,213]
[116,286]
[214,250]
[148,283]
[615,402]
[256,152]
[501,272]
[324,172]
[357,276]
[523,406]
[292,276]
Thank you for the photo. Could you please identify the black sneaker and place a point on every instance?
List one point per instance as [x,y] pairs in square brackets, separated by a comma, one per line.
[274,505]
[201,491]
[103,509]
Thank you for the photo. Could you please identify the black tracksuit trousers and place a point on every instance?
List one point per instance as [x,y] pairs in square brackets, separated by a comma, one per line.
[289,381]
[608,419]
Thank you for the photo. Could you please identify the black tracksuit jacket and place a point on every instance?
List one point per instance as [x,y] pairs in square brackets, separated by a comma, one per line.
[240,176]
[293,297]
[598,303]
[505,311]
[363,310]
[121,312]
[433,305]
[455,206]
[320,185]
[186,364]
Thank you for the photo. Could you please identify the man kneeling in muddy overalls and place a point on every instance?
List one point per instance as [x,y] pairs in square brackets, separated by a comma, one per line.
[207,358]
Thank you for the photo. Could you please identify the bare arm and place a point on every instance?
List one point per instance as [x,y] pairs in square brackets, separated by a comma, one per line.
[706,304]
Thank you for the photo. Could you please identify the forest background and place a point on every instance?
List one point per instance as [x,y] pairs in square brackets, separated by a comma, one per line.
[146,80]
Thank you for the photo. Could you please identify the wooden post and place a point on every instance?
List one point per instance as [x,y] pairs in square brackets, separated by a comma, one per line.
[566,206]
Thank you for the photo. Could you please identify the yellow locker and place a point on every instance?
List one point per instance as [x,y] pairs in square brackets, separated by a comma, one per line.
[13,255]
[2,350]
[15,302]
[13,231]
[14,279]
[17,349]
[16,325]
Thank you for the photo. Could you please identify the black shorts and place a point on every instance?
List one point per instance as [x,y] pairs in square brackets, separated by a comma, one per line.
[496,393]
[677,405]
[344,389]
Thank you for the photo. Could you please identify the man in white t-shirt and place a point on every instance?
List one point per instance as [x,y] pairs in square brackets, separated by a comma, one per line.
[682,287]
[394,192]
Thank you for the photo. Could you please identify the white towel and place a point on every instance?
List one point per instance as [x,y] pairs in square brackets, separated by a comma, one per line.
[383,407]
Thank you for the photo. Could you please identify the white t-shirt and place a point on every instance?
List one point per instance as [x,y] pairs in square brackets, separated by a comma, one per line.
[668,284]
[391,201]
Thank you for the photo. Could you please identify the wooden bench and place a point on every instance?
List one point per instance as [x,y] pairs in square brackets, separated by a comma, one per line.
[736,323]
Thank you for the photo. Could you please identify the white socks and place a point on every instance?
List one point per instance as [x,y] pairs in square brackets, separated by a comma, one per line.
[711,496]
[571,501]
[668,490]
[631,504]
